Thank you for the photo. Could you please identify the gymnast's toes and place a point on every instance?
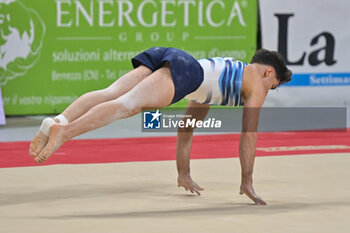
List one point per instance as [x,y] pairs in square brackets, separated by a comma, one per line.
[37,144]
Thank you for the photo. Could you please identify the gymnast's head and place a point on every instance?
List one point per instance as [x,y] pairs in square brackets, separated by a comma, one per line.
[272,66]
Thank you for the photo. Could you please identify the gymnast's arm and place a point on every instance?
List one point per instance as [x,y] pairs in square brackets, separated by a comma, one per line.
[183,147]
[247,145]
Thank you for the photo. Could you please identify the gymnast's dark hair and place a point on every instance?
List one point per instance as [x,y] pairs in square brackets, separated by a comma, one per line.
[274,59]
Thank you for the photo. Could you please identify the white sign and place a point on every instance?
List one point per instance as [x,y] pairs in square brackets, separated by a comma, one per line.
[313,36]
[2,113]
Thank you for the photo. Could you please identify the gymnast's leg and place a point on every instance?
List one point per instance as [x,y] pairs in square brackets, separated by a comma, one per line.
[159,84]
[85,102]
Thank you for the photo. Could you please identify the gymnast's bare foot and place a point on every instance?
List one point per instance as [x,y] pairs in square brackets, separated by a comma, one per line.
[39,142]
[56,140]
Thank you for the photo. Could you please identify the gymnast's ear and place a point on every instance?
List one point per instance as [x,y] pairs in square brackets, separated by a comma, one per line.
[269,70]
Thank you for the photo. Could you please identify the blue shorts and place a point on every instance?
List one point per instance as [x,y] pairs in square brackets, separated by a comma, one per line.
[186,71]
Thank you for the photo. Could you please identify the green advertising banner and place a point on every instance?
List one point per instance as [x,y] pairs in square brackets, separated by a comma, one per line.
[53,51]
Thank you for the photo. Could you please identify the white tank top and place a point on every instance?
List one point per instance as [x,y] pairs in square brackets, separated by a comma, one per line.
[221,84]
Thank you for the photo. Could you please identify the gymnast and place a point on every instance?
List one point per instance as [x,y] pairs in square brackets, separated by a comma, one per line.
[163,76]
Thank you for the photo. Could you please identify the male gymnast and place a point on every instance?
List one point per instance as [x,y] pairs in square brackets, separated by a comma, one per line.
[171,75]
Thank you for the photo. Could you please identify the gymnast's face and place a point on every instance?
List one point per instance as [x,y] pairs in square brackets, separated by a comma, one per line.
[275,83]
[270,78]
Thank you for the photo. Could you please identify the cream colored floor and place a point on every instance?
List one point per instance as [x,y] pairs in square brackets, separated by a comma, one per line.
[305,193]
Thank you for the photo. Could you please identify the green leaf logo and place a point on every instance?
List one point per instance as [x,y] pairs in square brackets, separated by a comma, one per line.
[21,39]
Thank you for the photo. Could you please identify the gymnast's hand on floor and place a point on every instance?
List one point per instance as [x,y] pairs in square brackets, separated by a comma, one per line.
[249,191]
[188,184]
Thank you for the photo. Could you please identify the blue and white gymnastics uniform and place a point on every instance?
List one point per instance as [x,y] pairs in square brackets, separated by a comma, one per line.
[214,81]
[221,84]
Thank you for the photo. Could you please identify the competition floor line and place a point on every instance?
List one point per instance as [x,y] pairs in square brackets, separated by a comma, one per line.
[15,154]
